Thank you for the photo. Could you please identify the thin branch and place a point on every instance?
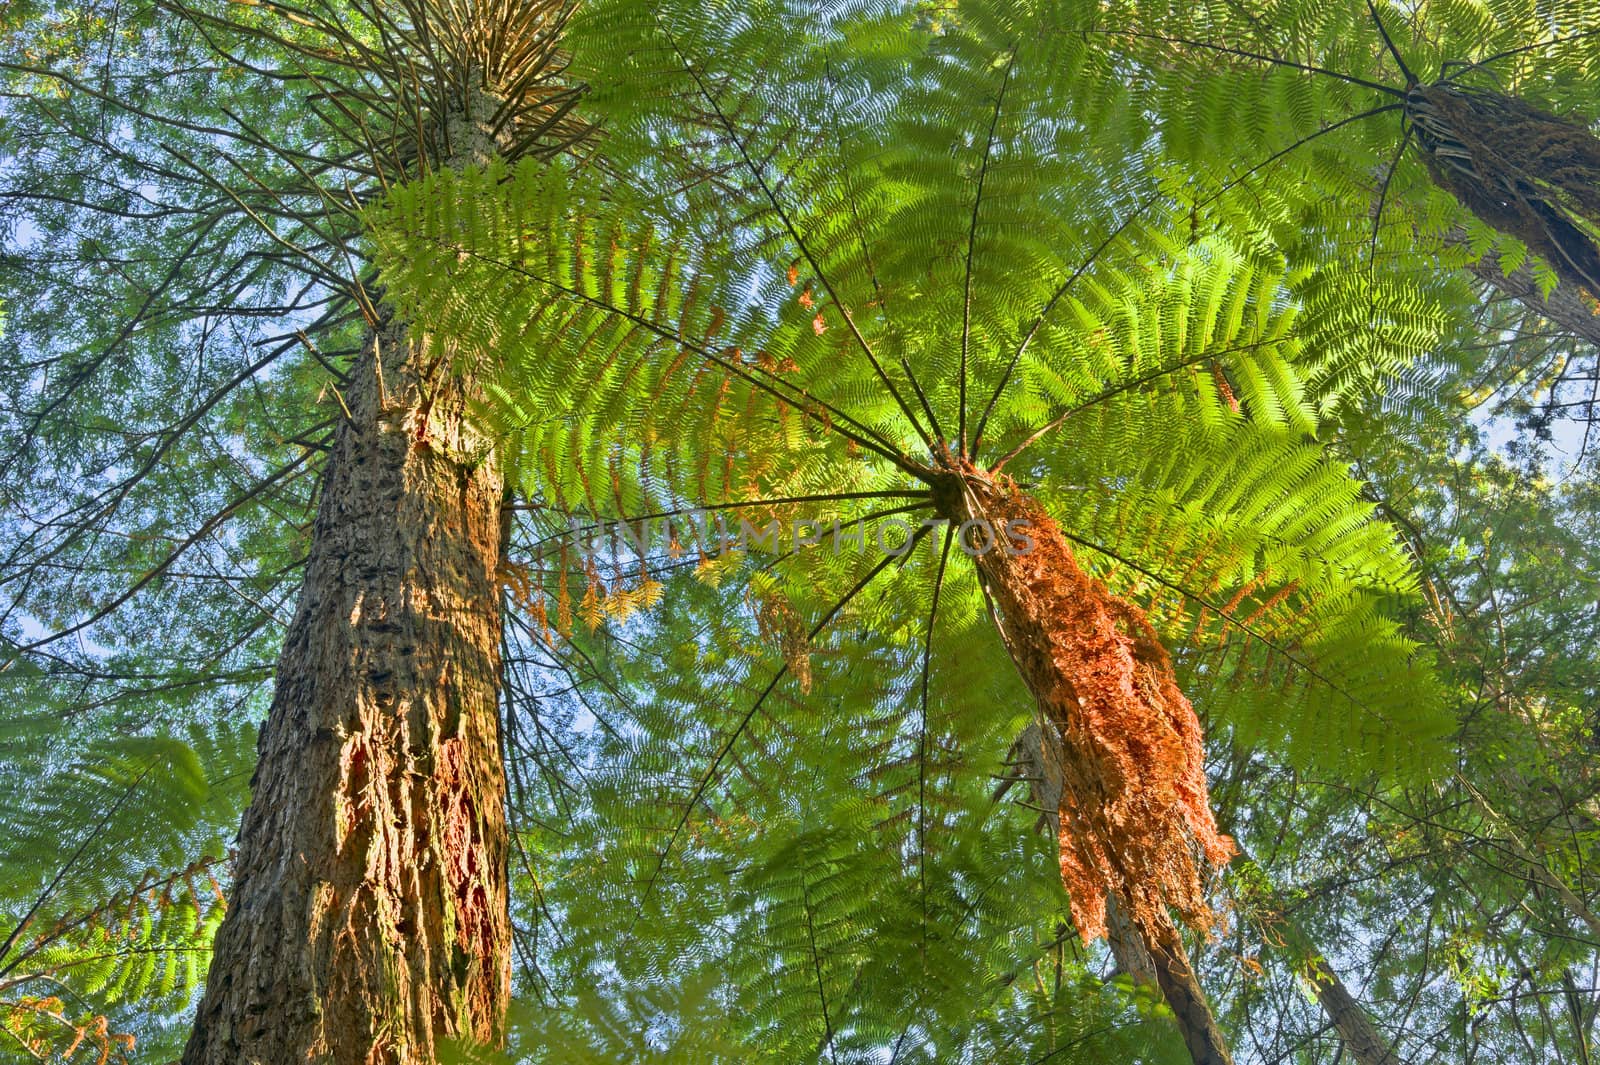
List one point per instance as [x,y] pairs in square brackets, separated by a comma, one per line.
[161,567]
[1301,143]
[922,738]
[816,965]
[1383,198]
[1510,52]
[774,501]
[972,240]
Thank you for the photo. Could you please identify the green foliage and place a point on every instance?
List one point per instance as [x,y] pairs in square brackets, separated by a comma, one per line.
[1162,406]
[110,854]
[1293,117]
[833,882]
[757,809]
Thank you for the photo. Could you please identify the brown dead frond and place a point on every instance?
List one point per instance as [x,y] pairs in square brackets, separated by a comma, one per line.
[1134,803]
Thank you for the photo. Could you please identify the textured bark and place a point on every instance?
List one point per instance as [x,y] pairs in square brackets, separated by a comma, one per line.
[1359,1036]
[1181,988]
[368,917]
[1124,746]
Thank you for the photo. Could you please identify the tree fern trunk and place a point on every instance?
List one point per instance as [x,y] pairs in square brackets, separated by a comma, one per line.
[1167,969]
[1156,956]
[1129,760]
[1181,988]
[368,917]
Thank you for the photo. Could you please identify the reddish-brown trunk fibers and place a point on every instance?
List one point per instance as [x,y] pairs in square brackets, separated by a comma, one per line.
[1149,955]
[1134,807]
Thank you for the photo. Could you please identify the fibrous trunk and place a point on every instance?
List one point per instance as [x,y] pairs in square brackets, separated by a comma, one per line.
[368,917]
[1148,955]
[1525,172]
[1133,801]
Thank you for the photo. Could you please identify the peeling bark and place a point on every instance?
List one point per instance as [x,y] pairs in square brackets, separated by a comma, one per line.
[368,917]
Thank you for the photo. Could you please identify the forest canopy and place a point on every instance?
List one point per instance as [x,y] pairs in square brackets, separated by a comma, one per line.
[972,531]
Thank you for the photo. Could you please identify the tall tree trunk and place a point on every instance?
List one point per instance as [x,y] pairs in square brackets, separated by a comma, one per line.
[1357,1034]
[1360,1037]
[1129,760]
[368,918]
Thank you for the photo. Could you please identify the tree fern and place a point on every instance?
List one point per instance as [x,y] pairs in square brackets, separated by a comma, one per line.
[1389,113]
[1134,257]
[1130,380]
[867,321]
